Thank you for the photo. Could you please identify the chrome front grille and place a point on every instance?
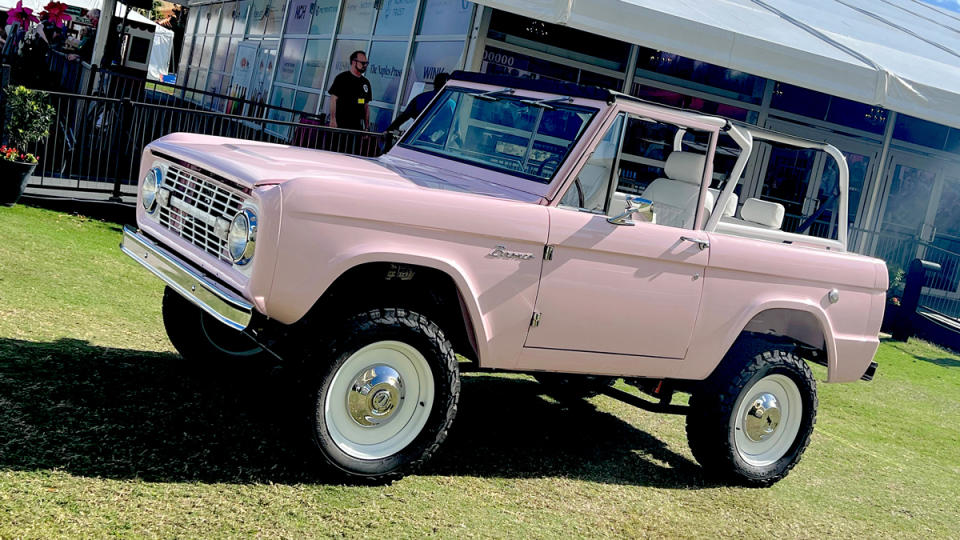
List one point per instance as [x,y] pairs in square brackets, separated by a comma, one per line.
[199,210]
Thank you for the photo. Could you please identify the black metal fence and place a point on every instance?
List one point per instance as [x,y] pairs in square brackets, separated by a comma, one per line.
[104,119]
[941,290]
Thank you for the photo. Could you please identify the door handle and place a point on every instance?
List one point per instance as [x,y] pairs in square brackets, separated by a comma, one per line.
[702,244]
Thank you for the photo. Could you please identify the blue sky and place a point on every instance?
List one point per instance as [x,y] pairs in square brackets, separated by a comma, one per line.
[952,5]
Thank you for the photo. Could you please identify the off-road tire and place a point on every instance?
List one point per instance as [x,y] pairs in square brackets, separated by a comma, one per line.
[359,333]
[200,338]
[569,387]
[712,420]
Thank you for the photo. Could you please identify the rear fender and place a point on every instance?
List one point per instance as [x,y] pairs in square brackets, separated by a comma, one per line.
[803,321]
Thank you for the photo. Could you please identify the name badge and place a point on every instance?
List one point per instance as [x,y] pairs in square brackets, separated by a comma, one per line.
[361,101]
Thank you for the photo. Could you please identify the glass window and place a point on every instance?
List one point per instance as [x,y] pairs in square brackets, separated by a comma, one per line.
[357,17]
[501,62]
[380,118]
[858,165]
[953,141]
[220,54]
[258,16]
[683,101]
[503,134]
[386,66]
[203,19]
[341,57]
[306,102]
[238,15]
[324,16]
[291,56]
[559,40]
[589,190]
[207,52]
[430,58]
[298,17]
[446,17]
[920,132]
[282,98]
[231,53]
[790,98]
[311,75]
[856,115]
[215,11]
[736,84]
[395,18]
[274,17]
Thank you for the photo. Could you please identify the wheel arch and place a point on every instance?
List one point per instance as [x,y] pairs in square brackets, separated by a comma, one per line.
[804,323]
[370,274]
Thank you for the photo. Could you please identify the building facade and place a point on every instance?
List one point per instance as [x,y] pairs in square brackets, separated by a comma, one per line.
[905,172]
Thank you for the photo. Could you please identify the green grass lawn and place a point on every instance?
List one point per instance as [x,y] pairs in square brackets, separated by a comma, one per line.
[104,431]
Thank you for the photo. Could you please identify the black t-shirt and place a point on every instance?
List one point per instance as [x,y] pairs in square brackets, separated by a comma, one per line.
[353,93]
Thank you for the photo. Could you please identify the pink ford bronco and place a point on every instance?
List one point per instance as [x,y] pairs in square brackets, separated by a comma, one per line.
[573,233]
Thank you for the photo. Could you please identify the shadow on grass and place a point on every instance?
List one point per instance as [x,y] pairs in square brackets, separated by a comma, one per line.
[945,361]
[101,412]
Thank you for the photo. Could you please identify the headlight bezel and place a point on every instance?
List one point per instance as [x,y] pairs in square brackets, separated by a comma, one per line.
[150,199]
[249,231]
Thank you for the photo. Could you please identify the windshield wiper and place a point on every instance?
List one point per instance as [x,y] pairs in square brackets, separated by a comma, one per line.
[493,94]
[546,103]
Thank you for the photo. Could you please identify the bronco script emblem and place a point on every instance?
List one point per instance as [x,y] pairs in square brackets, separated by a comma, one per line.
[502,252]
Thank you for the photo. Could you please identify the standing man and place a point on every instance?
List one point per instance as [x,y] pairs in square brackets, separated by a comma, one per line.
[419,103]
[350,96]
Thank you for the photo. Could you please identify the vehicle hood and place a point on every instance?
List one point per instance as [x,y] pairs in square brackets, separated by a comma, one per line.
[257,163]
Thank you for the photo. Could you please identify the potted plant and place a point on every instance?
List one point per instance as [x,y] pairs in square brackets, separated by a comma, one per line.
[28,121]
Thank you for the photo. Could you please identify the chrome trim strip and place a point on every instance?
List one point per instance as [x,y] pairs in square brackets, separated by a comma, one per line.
[222,304]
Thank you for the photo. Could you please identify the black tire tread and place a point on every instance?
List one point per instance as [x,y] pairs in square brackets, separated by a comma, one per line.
[386,319]
[712,406]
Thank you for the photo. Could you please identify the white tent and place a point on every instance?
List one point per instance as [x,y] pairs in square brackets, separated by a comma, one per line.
[900,54]
[162,37]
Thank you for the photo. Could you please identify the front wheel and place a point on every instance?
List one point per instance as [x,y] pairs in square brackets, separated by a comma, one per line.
[385,395]
[752,420]
[198,337]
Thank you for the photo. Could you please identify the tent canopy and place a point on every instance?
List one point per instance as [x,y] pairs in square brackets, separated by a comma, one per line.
[903,55]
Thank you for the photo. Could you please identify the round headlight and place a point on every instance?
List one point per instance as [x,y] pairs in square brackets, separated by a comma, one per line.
[242,236]
[149,188]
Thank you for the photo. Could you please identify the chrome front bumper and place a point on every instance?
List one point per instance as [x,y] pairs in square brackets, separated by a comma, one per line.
[224,305]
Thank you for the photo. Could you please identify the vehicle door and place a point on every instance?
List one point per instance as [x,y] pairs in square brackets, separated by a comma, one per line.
[631,288]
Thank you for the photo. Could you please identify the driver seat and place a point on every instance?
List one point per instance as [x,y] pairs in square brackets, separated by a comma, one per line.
[675,196]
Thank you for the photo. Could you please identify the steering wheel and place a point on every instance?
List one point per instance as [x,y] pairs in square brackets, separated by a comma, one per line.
[543,164]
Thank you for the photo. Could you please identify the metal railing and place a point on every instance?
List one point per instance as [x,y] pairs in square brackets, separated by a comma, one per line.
[941,291]
[95,143]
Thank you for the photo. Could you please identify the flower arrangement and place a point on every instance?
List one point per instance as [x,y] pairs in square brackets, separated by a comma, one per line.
[22,15]
[12,154]
[57,13]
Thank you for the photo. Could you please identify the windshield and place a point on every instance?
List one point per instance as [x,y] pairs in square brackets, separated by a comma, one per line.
[497,130]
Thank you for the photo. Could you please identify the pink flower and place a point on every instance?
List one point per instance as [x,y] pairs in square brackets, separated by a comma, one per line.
[57,13]
[21,15]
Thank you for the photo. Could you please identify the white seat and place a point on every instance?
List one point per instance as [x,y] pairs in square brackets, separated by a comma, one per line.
[766,214]
[675,197]
[729,209]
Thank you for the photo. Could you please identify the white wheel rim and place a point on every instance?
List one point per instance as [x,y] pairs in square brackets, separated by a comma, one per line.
[768,445]
[402,423]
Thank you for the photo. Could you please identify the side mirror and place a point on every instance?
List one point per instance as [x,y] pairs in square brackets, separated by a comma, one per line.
[634,205]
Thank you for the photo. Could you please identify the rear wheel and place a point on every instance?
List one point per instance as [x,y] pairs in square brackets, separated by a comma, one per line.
[385,394]
[752,420]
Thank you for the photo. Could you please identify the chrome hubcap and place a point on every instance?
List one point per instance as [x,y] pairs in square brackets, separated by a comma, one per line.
[374,395]
[762,418]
